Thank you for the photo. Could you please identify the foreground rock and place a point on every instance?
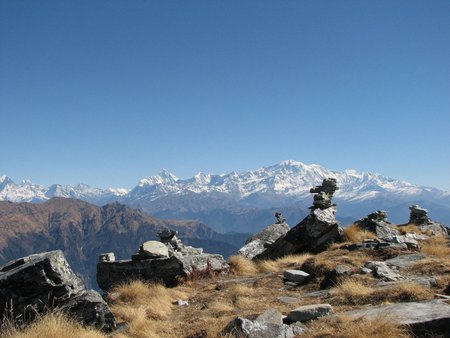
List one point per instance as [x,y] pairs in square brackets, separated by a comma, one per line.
[38,283]
[314,233]
[152,264]
[267,325]
[309,312]
[259,242]
[424,318]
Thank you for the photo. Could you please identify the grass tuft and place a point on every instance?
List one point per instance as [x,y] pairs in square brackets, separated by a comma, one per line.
[52,325]
[355,234]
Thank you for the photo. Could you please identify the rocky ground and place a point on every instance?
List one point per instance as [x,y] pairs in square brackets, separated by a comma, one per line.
[348,293]
[373,279]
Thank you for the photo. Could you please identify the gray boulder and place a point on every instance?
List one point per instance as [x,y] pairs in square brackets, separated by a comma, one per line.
[38,283]
[256,244]
[314,233]
[153,249]
[296,276]
[381,270]
[267,325]
[309,312]
[426,319]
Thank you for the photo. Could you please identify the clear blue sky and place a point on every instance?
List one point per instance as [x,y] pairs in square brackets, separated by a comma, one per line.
[108,92]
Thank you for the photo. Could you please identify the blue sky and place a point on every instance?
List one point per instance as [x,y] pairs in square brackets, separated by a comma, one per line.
[108,92]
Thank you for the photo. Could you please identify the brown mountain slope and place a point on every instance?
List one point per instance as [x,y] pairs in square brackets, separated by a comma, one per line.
[83,231]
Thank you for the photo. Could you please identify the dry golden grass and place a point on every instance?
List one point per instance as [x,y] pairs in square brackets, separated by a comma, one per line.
[145,307]
[409,228]
[356,292]
[53,325]
[437,246]
[342,327]
[430,266]
[242,266]
[355,234]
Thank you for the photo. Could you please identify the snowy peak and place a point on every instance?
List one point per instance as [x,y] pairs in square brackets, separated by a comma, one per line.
[164,177]
[285,181]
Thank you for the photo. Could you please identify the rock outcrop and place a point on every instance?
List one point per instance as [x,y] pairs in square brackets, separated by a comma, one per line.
[314,233]
[257,243]
[377,223]
[152,264]
[38,283]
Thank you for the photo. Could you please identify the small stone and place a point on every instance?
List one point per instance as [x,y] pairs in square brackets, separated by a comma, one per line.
[365,270]
[309,312]
[341,270]
[381,270]
[181,302]
[296,276]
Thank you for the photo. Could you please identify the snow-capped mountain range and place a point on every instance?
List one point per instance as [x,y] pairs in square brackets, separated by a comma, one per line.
[282,185]
[285,179]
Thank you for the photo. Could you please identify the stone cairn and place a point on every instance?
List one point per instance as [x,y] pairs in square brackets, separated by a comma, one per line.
[324,194]
[315,232]
[418,215]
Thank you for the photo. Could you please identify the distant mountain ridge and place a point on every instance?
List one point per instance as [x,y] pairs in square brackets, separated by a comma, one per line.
[284,186]
[83,231]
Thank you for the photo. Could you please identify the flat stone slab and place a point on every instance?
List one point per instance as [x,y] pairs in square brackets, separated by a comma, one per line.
[288,300]
[154,249]
[296,276]
[309,312]
[405,260]
[422,317]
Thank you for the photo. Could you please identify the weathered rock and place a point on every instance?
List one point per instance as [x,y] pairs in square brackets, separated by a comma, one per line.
[309,312]
[381,270]
[169,271]
[256,244]
[41,282]
[295,276]
[89,308]
[314,233]
[404,261]
[377,223]
[153,249]
[424,318]
[267,325]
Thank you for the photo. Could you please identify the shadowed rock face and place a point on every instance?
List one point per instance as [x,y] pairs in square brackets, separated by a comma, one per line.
[38,283]
[256,244]
[315,232]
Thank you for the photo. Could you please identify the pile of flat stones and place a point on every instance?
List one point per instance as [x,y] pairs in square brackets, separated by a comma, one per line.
[324,194]
[168,261]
